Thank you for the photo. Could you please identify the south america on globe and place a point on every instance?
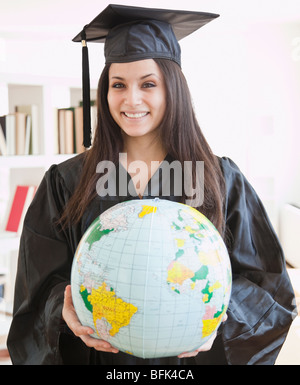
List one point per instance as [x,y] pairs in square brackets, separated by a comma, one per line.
[152,277]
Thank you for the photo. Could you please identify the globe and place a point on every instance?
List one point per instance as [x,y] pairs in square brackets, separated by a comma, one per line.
[151,277]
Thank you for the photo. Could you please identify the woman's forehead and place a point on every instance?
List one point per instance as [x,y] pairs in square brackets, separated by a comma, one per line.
[136,69]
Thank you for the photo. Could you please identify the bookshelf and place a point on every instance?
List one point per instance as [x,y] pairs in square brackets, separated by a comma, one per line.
[49,94]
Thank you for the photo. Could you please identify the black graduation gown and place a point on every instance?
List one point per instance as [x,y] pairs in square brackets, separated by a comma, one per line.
[262,301]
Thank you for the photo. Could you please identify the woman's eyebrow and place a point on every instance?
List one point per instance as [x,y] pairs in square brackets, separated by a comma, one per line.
[146,76]
[142,78]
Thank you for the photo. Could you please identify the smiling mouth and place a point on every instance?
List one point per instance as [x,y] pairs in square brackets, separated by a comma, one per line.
[136,115]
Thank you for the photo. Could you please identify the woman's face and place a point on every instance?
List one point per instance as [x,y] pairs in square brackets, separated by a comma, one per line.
[136,97]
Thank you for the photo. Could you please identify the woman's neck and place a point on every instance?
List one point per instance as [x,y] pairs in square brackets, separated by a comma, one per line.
[141,159]
[140,149]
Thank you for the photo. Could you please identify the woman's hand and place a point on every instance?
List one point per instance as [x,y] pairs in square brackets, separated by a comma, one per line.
[205,347]
[83,332]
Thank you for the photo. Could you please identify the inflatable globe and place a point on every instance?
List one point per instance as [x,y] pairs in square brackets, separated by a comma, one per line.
[151,277]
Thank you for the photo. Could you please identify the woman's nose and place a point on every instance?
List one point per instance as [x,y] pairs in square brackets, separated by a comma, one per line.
[133,97]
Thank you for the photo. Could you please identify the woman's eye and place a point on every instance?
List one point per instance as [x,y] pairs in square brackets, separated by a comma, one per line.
[118,85]
[149,85]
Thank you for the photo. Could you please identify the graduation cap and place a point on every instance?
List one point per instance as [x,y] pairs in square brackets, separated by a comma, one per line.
[135,33]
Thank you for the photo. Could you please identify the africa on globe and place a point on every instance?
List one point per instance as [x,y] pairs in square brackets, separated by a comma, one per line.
[152,277]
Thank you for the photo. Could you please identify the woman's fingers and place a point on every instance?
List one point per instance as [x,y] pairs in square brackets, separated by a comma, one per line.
[99,345]
[70,316]
[205,347]
[83,332]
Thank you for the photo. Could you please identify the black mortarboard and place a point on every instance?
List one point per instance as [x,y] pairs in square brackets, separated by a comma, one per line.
[135,33]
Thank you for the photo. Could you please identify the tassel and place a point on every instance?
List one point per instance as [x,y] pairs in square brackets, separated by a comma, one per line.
[86,93]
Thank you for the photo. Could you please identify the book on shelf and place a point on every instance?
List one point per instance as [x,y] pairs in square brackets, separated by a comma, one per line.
[66,130]
[10,122]
[3,147]
[28,136]
[32,128]
[79,129]
[21,201]
[19,131]
[69,129]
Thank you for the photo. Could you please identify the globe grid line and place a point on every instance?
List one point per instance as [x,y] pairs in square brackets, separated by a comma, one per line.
[160,291]
[118,281]
[175,306]
[138,226]
[117,278]
[190,309]
[146,286]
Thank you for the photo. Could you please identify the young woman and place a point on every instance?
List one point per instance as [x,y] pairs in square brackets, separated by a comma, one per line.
[145,112]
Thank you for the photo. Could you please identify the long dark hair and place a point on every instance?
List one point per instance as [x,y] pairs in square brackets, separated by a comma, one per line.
[180,133]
